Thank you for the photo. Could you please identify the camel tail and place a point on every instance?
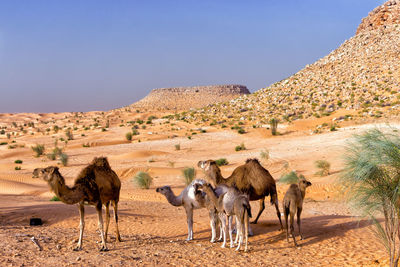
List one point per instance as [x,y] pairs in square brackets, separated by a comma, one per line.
[274,198]
[286,207]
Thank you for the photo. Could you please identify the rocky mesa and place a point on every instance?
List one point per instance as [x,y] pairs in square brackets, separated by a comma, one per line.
[184,98]
[362,75]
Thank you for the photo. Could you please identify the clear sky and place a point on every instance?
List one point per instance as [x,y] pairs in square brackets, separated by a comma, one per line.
[98,55]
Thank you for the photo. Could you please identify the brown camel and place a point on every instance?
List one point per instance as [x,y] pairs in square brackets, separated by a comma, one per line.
[251,179]
[97,185]
[292,203]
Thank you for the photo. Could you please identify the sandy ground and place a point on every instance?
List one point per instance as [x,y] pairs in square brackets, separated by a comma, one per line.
[153,231]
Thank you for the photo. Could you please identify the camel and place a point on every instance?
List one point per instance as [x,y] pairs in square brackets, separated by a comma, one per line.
[191,199]
[97,185]
[292,203]
[231,203]
[251,179]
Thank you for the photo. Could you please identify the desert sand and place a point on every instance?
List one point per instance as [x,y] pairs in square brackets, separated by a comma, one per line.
[152,230]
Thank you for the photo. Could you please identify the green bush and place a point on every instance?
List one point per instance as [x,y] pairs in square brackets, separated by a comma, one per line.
[3,143]
[324,167]
[55,198]
[64,159]
[178,147]
[221,162]
[38,149]
[17,168]
[142,180]
[69,134]
[241,131]
[290,178]
[264,154]
[188,175]
[18,161]
[128,136]
[240,147]
[274,126]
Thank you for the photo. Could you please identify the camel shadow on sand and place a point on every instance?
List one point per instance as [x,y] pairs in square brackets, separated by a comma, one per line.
[315,229]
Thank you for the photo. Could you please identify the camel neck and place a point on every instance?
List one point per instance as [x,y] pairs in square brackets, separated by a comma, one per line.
[212,195]
[303,192]
[63,192]
[174,200]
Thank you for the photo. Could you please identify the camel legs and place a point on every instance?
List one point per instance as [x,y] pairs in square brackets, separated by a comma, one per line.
[262,207]
[213,223]
[107,205]
[230,218]
[298,222]
[189,216]
[101,228]
[292,227]
[222,218]
[81,226]
[286,222]
[278,212]
[239,232]
[115,205]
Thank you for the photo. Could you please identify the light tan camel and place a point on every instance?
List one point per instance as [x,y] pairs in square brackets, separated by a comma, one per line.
[192,199]
[97,185]
[292,203]
[231,203]
[251,179]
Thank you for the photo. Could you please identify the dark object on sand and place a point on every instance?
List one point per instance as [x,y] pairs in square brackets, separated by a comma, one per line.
[35,221]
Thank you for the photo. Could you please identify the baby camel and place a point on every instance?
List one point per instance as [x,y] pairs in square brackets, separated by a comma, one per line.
[293,202]
[192,199]
[232,202]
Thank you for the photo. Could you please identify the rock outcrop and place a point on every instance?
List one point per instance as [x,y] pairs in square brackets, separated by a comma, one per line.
[184,98]
[363,74]
[381,17]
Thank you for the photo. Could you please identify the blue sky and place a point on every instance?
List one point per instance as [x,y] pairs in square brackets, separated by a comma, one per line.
[97,55]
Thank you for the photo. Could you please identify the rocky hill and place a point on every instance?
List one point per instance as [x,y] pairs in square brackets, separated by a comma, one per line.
[184,98]
[363,74]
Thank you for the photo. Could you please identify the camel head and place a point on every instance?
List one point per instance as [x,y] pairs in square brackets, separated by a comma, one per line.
[46,174]
[303,183]
[164,190]
[211,170]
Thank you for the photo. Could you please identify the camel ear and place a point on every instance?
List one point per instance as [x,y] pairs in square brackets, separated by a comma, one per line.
[53,170]
[207,166]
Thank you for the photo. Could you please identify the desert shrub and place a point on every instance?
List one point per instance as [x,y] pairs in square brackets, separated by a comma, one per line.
[264,154]
[2,132]
[128,136]
[135,132]
[178,147]
[18,161]
[64,159]
[240,147]
[274,126]
[188,175]
[55,198]
[38,149]
[3,143]
[323,167]
[290,178]
[171,164]
[221,162]
[142,180]
[17,168]
[372,179]
[69,134]
[241,131]
[51,156]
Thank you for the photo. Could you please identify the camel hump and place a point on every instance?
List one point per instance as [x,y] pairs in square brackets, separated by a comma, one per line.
[253,160]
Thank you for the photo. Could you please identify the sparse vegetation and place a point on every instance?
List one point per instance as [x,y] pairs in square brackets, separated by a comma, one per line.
[372,179]
[178,147]
[17,168]
[290,178]
[274,126]
[240,147]
[142,180]
[128,136]
[55,198]
[221,162]
[188,174]
[323,166]
[38,149]
[18,161]
[69,134]
[264,154]
[64,159]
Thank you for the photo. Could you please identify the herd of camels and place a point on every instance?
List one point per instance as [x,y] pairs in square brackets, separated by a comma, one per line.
[225,198]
